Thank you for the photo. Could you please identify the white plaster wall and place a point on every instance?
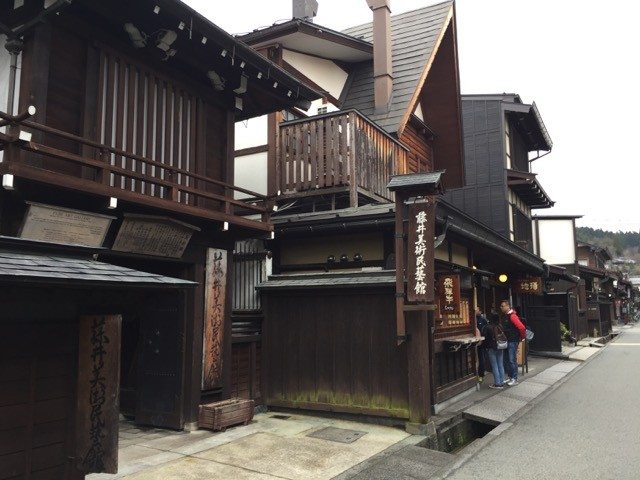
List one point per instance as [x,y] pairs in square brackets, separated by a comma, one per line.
[250,172]
[324,72]
[418,112]
[557,241]
[316,104]
[251,133]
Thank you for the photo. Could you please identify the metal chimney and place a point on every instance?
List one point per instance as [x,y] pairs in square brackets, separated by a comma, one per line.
[305,9]
[382,66]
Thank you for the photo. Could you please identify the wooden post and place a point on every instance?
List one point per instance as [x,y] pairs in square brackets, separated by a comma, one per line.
[399,247]
[419,368]
[98,409]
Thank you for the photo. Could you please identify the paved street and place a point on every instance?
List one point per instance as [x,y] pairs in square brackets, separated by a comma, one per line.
[588,428]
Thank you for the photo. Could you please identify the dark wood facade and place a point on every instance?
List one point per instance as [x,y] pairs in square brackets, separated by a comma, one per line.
[124,128]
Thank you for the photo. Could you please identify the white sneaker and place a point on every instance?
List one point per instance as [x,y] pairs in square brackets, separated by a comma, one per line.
[512,382]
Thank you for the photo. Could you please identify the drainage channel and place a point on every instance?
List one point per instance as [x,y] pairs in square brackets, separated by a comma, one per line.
[456,433]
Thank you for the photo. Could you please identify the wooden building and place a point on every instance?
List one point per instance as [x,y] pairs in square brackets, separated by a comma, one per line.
[391,106]
[117,172]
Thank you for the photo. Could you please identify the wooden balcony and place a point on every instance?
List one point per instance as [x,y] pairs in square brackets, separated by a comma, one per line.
[341,153]
[91,167]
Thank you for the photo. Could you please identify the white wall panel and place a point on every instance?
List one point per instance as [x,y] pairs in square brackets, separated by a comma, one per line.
[323,72]
[250,172]
[251,133]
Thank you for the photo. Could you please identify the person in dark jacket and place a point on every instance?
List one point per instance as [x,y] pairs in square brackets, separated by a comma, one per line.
[515,332]
[481,323]
[490,333]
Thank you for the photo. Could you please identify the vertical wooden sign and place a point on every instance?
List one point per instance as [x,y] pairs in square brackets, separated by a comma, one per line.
[449,294]
[420,252]
[214,316]
[98,409]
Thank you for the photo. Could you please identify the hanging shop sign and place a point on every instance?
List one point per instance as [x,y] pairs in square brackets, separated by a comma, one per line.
[420,253]
[530,286]
[449,294]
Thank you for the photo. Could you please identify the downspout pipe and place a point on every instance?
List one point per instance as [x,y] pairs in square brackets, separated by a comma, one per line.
[14,47]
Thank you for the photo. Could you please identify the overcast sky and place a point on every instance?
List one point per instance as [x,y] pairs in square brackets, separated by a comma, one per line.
[578,60]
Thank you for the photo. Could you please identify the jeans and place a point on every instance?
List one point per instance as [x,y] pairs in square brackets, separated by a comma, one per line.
[511,361]
[495,358]
[481,361]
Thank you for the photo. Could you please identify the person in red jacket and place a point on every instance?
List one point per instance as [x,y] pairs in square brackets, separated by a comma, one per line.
[515,332]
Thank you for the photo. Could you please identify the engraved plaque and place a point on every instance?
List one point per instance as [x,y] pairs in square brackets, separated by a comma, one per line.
[150,235]
[47,223]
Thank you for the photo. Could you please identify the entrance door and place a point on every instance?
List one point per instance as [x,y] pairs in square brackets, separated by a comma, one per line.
[161,362]
[545,322]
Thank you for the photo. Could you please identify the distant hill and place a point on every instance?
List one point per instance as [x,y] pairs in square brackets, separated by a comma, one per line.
[620,244]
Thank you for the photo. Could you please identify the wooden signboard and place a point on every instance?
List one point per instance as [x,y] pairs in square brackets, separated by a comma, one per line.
[98,409]
[420,252]
[47,223]
[531,286]
[152,235]
[449,294]
[214,317]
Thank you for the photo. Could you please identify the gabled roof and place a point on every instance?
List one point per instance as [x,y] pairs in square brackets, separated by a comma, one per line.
[415,36]
[307,37]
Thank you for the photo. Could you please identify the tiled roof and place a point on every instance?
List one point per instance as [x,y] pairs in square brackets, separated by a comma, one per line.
[413,35]
[73,270]
[330,280]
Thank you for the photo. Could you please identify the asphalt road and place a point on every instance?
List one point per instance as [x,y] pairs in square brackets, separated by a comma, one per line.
[588,428]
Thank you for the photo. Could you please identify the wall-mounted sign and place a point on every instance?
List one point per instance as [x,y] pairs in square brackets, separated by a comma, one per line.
[152,235]
[98,388]
[214,316]
[530,286]
[420,253]
[449,294]
[48,223]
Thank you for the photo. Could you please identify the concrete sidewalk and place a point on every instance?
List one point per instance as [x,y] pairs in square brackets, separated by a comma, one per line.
[279,446]
[272,446]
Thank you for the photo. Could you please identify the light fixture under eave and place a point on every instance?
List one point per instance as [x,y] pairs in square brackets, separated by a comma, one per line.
[243,85]
[113,203]
[204,40]
[223,53]
[272,236]
[138,38]
[225,226]
[166,39]
[259,75]
[181,26]
[275,84]
[7,181]
[156,9]
[239,104]
[502,278]
[217,81]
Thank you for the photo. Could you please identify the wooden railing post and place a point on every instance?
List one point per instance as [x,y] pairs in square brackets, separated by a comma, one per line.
[353,182]
[104,174]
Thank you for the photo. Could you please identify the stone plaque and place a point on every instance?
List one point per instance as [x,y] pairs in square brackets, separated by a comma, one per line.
[151,235]
[47,223]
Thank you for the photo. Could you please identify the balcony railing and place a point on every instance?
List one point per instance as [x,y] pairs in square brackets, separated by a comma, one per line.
[105,170]
[340,151]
